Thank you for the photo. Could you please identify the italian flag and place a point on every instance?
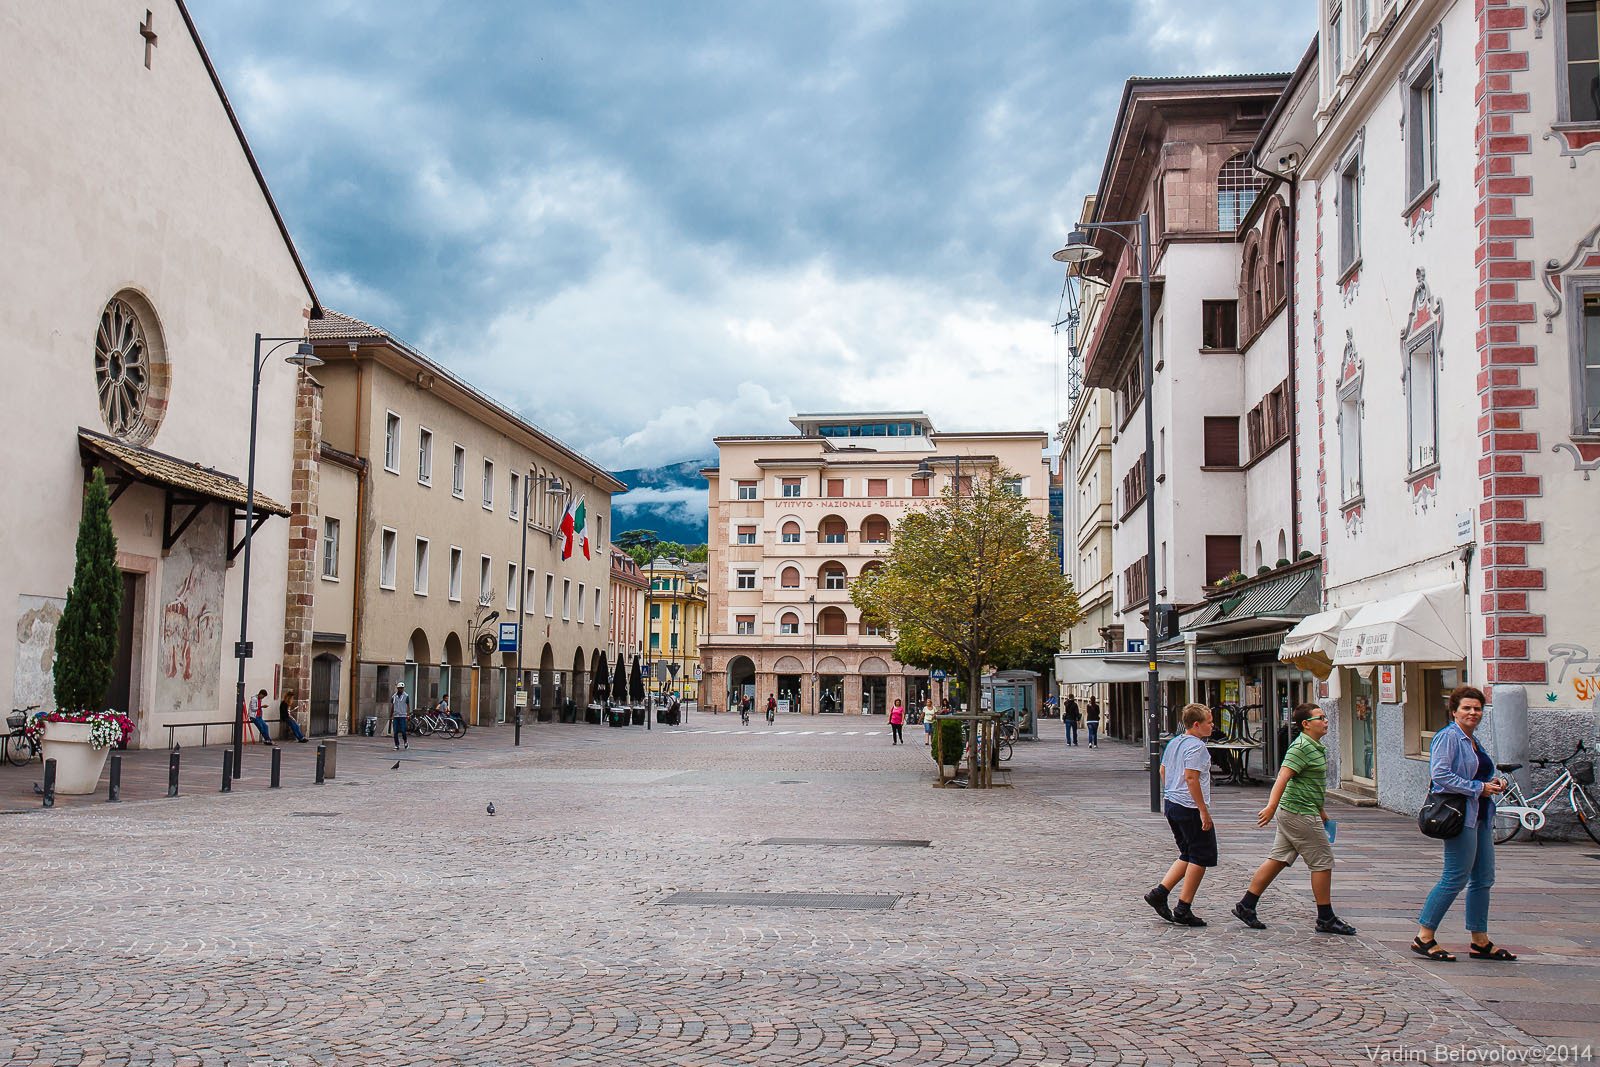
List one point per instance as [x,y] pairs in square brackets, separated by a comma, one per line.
[575,529]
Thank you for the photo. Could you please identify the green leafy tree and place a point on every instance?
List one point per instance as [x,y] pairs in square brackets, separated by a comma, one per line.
[971,581]
[86,637]
[643,544]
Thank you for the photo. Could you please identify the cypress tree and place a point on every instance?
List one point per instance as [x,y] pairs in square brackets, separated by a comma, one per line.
[86,637]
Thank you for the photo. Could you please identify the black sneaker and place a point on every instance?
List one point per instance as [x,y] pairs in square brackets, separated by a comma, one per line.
[1334,925]
[1158,900]
[1182,916]
[1248,916]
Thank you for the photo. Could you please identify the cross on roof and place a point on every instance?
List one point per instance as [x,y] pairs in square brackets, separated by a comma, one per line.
[148,32]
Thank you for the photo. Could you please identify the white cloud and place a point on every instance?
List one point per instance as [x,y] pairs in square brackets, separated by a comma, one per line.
[684,504]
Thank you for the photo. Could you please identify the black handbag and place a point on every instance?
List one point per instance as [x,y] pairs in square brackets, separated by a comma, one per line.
[1443,815]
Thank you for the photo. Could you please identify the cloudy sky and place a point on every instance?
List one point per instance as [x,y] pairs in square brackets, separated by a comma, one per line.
[644,224]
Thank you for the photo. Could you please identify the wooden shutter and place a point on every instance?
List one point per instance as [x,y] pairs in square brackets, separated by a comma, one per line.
[1222,441]
[1222,556]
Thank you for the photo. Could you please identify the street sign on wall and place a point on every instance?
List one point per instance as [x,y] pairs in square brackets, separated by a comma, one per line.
[508,637]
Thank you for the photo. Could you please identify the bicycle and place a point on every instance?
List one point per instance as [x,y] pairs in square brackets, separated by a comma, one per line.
[744,715]
[1522,812]
[17,747]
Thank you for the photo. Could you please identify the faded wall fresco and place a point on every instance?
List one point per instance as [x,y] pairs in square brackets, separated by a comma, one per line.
[188,660]
[33,681]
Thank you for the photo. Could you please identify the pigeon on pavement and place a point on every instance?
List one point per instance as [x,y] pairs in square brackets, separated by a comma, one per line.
[491,807]
[396,766]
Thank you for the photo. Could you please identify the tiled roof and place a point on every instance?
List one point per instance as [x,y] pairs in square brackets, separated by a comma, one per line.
[155,468]
[337,326]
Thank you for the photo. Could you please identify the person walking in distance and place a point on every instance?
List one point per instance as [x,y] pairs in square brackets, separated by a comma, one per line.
[1297,799]
[772,708]
[286,712]
[1069,718]
[1186,799]
[1092,714]
[258,710]
[400,711]
[897,718]
[1457,763]
[927,721]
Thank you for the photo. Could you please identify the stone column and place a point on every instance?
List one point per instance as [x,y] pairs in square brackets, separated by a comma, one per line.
[766,685]
[303,540]
[852,693]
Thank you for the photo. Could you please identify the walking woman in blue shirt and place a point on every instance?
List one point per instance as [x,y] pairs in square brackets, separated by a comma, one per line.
[1458,764]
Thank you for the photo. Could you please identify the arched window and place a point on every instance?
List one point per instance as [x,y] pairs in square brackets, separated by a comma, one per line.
[1277,249]
[831,622]
[875,530]
[833,576]
[788,623]
[833,530]
[1237,186]
[1249,268]
[1283,546]
[789,578]
[1259,562]
[791,532]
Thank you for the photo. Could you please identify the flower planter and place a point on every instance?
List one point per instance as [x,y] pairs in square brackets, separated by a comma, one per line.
[78,764]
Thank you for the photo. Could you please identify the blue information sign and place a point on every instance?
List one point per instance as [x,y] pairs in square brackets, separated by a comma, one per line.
[937,676]
[508,637]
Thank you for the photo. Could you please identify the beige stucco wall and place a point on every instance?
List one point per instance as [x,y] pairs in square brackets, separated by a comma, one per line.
[133,180]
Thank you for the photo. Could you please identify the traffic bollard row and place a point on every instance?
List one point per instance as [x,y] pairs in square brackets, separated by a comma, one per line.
[49,783]
[227,771]
[114,795]
[172,774]
[277,765]
[322,763]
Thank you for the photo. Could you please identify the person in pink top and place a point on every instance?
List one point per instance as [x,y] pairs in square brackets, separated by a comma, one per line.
[897,718]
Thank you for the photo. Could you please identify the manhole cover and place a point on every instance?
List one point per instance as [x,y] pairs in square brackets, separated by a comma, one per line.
[855,842]
[855,901]
[314,814]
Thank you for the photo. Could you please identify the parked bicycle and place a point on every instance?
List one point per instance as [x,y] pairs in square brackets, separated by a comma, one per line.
[435,721]
[1515,812]
[17,747]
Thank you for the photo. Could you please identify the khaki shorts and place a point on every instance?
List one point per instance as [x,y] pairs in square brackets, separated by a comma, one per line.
[1302,836]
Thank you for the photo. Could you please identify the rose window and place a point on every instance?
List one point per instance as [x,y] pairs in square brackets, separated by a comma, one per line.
[124,372]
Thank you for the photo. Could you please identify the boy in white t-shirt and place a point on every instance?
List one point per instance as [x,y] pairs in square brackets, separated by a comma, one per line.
[1186,799]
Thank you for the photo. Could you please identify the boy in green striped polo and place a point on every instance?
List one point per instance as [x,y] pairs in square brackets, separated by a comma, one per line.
[1297,800]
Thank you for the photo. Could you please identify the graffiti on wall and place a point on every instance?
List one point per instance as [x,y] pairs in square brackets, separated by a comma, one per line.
[1583,668]
[33,679]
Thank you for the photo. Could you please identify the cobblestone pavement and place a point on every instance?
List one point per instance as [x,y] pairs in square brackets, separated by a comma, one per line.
[387,919]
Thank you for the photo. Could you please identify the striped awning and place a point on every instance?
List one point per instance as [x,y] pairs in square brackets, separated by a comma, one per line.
[1284,599]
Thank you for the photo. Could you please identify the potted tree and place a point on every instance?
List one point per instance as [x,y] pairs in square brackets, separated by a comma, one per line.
[79,731]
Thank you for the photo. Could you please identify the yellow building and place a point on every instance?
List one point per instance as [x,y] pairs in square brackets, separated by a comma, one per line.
[676,620]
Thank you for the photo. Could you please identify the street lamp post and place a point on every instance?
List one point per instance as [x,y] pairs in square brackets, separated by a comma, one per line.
[649,631]
[555,488]
[1079,250]
[305,359]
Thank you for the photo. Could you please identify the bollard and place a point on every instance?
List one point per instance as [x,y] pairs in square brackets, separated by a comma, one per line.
[227,771]
[322,763]
[114,795]
[172,775]
[49,783]
[277,765]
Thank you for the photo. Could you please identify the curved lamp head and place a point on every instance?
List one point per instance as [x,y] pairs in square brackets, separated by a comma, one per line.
[555,486]
[303,357]
[924,469]
[1079,249]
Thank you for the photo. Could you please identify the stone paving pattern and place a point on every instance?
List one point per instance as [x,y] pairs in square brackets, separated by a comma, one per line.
[409,927]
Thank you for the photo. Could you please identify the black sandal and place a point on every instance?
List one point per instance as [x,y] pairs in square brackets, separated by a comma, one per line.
[1431,950]
[1488,951]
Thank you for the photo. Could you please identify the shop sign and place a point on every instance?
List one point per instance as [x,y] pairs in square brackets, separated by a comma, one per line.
[1388,684]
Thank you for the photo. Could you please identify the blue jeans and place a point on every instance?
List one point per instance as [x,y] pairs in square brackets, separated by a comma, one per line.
[1094,731]
[400,731]
[1072,732]
[1469,862]
[261,726]
[294,727]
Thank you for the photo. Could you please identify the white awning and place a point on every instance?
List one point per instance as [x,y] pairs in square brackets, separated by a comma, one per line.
[1095,668]
[1310,646]
[1425,626]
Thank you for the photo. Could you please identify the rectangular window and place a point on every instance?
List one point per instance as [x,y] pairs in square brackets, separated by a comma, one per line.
[581,599]
[871,628]
[1135,584]
[530,589]
[835,487]
[1336,44]
[1133,487]
[549,596]
[1221,441]
[488,484]
[655,611]
[1350,445]
[747,490]
[425,457]
[747,535]
[745,580]
[1583,61]
[919,486]
[458,473]
[1223,556]
[1589,364]
[511,587]
[791,487]
[386,553]
[1350,214]
[1436,685]
[419,576]
[789,625]
[566,598]
[1422,148]
[455,573]
[391,443]
[1422,416]
[597,607]
[485,581]
[877,487]
[655,642]
[834,580]
[515,504]
[1219,325]
[330,548]
[1012,486]
[744,625]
